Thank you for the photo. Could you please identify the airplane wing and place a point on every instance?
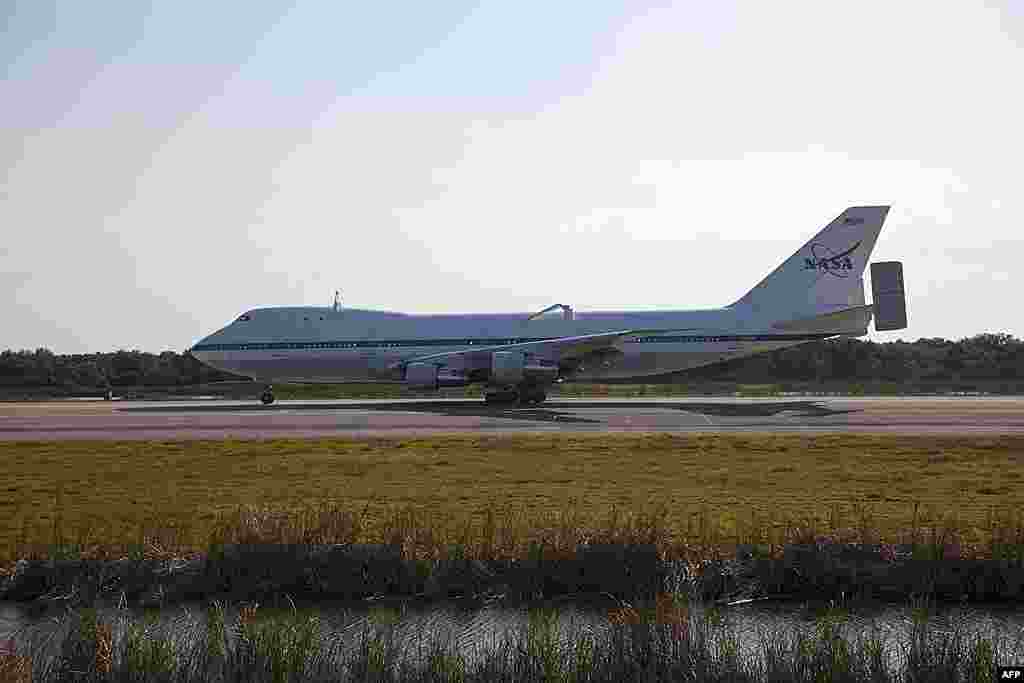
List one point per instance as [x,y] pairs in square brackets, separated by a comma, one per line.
[561,351]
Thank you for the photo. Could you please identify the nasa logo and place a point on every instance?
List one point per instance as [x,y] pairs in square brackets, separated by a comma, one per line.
[823,259]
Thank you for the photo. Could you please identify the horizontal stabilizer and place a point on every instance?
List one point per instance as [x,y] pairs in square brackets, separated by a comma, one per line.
[847,321]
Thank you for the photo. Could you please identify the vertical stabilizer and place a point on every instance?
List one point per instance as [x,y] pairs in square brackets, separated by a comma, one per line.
[824,275]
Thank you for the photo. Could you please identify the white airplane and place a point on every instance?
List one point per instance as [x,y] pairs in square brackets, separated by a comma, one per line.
[817,293]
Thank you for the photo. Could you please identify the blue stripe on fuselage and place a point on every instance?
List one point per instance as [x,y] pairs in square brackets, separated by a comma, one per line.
[406,343]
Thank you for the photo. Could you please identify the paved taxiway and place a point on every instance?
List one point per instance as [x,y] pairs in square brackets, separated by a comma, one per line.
[215,419]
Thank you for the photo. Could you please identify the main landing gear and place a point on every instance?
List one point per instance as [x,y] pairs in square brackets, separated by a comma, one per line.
[532,397]
[512,397]
[267,397]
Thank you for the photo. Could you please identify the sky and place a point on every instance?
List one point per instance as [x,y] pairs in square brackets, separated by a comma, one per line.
[165,166]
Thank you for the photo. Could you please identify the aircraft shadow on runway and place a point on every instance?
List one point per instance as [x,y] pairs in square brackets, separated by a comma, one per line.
[553,411]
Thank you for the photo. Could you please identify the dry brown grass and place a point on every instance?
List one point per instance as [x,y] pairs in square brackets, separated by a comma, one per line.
[153,497]
[14,668]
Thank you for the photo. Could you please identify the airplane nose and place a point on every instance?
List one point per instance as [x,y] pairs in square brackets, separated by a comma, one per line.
[215,350]
[203,352]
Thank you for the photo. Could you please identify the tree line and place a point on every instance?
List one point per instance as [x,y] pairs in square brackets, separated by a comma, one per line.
[44,369]
[991,362]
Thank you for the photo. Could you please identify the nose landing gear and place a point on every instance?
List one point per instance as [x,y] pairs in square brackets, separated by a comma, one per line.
[267,397]
[500,398]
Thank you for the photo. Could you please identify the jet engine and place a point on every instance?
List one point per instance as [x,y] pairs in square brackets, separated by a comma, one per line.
[431,377]
[510,368]
[507,367]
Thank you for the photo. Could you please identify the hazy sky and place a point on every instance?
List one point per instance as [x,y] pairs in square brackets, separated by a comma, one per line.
[166,166]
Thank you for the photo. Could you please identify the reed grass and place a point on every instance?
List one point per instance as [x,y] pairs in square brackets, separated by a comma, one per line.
[339,552]
[511,533]
[664,640]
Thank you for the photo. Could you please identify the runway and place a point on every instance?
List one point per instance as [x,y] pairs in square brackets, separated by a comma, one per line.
[218,419]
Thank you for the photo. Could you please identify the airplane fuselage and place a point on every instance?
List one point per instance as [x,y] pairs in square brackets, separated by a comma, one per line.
[310,344]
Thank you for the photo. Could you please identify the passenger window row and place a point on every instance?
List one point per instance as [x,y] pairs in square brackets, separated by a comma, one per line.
[407,343]
[399,343]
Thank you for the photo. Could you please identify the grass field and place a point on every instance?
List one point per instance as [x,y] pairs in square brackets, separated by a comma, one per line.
[722,488]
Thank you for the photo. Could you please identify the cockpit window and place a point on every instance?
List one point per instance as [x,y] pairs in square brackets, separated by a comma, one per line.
[244,317]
